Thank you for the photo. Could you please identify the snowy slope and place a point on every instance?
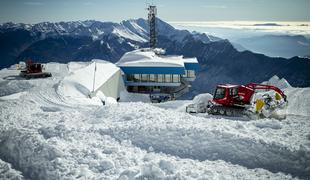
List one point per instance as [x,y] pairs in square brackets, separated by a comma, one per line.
[95,29]
[45,135]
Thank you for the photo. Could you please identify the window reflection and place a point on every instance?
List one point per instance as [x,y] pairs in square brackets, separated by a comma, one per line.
[157,78]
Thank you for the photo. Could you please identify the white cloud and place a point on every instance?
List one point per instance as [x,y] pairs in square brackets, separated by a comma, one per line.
[302,28]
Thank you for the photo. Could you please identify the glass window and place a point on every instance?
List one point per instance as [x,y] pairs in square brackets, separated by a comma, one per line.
[152,77]
[190,73]
[155,77]
[233,91]
[219,93]
[130,77]
[136,77]
[185,75]
[160,78]
[175,78]
[168,78]
[144,77]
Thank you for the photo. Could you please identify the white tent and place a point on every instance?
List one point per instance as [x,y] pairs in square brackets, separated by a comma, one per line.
[97,76]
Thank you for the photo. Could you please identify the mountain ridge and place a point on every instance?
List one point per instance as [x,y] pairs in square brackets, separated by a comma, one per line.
[220,62]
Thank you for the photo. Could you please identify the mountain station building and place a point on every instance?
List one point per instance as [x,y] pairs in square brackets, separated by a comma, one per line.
[149,71]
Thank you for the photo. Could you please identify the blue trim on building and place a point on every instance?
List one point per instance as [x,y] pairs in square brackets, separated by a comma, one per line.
[191,66]
[153,70]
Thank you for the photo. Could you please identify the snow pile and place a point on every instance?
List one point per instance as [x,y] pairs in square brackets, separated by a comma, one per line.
[298,98]
[202,98]
[13,96]
[298,101]
[6,172]
[13,87]
[106,100]
[134,97]
[180,105]
[276,81]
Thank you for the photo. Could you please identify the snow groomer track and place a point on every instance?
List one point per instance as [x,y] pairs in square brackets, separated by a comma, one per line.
[44,134]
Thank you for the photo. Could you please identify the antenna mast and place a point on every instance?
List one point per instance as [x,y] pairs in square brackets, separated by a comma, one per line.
[152,19]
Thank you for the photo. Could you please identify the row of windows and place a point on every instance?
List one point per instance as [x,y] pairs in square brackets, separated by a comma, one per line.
[158,78]
[189,73]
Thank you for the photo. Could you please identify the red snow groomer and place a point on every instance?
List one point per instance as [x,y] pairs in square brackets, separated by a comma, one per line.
[34,70]
[234,100]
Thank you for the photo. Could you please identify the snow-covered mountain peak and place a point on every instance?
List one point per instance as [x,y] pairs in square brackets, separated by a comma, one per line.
[133,29]
[91,28]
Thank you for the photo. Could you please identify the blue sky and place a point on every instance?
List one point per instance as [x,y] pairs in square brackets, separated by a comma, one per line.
[32,11]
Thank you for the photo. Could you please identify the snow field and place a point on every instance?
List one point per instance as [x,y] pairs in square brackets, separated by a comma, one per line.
[68,144]
[252,145]
[47,135]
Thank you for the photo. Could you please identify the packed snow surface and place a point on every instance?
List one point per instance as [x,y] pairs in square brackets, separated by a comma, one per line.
[45,134]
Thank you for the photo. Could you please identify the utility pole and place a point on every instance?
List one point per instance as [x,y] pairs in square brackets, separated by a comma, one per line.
[152,25]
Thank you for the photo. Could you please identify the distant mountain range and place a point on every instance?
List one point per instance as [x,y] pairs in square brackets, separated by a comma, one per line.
[277,45]
[84,40]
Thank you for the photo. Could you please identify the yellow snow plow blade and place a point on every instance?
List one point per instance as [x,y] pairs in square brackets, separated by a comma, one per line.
[259,105]
[278,97]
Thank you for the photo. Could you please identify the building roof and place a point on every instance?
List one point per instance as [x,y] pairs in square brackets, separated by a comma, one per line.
[152,61]
[148,58]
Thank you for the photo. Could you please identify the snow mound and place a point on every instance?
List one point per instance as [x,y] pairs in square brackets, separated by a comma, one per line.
[298,98]
[13,96]
[134,97]
[276,81]
[202,98]
[13,87]
[6,172]
[298,101]
[106,100]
